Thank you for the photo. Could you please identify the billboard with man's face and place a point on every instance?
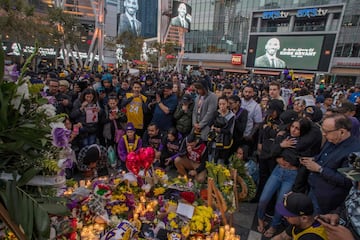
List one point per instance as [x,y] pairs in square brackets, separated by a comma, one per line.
[181,15]
[311,52]
[138,17]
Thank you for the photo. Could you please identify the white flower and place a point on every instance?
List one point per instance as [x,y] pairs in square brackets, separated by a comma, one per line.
[48,109]
[54,125]
[22,92]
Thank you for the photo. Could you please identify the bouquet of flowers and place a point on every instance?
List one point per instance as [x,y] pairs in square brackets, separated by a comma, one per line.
[28,125]
[249,182]
[223,179]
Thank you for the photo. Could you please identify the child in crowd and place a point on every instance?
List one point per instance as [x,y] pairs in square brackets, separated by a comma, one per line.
[192,158]
[93,161]
[130,142]
[114,123]
[171,147]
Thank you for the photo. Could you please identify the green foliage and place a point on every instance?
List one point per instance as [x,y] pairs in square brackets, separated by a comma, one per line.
[162,50]
[64,26]
[133,45]
[24,134]
[29,213]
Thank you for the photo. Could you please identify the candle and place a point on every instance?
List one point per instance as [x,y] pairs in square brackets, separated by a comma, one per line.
[88,183]
[221,233]
[82,183]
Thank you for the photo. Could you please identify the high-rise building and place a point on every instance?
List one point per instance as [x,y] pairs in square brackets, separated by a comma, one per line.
[221,28]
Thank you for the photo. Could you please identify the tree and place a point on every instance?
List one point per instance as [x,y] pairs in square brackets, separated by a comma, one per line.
[158,57]
[19,24]
[66,31]
[133,45]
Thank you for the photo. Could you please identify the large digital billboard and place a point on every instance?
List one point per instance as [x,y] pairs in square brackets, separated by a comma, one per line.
[181,15]
[138,17]
[298,52]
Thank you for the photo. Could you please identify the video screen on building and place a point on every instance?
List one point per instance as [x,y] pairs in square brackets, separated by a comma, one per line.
[310,52]
[138,17]
[181,15]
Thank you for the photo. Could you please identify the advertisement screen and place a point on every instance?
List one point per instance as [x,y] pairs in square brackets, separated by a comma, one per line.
[312,53]
[138,17]
[181,15]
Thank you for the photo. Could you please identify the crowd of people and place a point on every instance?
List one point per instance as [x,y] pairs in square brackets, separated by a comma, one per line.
[297,135]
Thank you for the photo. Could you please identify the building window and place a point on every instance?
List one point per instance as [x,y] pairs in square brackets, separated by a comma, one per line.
[356,50]
[338,50]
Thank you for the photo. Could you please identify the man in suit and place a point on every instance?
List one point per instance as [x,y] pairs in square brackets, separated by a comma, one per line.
[180,20]
[269,59]
[128,21]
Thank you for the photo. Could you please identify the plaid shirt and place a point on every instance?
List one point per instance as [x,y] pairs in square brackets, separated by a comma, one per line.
[102,163]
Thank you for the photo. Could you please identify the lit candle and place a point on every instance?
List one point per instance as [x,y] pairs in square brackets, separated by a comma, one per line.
[88,183]
[82,183]
[221,233]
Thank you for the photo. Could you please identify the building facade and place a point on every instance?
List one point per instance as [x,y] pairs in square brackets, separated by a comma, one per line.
[222,28]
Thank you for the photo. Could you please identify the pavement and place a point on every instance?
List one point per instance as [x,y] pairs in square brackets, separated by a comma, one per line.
[245,222]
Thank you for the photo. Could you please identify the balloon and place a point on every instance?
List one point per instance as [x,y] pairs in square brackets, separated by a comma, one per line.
[147,156]
[132,162]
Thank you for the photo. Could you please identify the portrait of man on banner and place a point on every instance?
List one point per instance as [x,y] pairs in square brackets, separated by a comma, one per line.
[269,59]
[128,21]
[181,15]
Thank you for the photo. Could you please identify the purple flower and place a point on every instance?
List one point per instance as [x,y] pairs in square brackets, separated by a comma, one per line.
[51,99]
[130,200]
[60,137]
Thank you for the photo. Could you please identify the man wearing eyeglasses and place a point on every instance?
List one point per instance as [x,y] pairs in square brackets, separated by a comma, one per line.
[328,188]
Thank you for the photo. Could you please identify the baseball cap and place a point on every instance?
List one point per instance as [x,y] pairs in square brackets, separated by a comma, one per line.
[287,118]
[314,113]
[130,126]
[168,85]
[352,172]
[295,205]
[275,105]
[187,98]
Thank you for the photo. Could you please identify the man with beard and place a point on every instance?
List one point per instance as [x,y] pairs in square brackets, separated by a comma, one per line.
[254,118]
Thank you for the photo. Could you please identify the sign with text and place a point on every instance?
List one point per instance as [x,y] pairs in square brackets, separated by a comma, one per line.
[309,52]
[274,15]
[236,59]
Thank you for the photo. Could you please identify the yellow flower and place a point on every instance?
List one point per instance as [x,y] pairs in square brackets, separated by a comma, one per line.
[84,208]
[160,173]
[199,226]
[158,191]
[117,181]
[207,226]
[227,172]
[173,224]
[171,216]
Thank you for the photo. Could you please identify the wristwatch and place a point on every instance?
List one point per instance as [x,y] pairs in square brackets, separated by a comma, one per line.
[321,169]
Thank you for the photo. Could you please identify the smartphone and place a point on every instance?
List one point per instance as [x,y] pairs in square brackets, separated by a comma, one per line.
[76,130]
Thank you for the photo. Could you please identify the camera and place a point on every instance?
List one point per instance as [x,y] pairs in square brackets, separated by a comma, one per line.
[212,135]
[354,160]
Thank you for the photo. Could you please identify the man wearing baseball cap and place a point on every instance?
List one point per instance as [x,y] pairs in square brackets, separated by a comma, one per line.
[298,210]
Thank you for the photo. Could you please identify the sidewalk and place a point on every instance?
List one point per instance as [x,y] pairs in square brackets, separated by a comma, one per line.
[245,222]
